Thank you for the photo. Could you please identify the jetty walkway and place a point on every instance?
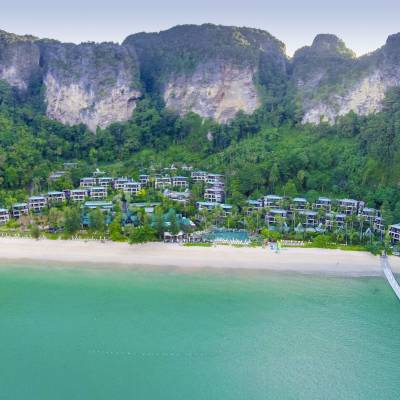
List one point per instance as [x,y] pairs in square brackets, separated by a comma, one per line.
[389,276]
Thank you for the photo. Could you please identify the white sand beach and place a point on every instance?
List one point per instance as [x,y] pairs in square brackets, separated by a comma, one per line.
[111,255]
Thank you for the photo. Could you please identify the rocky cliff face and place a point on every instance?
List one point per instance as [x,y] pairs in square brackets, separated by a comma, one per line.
[211,70]
[94,84]
[331,81]
[19,59]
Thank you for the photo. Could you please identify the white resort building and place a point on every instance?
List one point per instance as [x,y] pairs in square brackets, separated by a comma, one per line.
[132,188]
[55,197]
[98,193]
[87,182]
[37,203]
[4,216]
[20,209]
[78,195]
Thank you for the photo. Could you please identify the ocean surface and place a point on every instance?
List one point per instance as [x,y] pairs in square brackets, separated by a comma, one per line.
[81,334]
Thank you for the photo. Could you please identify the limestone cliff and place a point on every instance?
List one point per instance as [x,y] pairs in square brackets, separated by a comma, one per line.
[19,59]
[94,84]
[331,81]
[211,70]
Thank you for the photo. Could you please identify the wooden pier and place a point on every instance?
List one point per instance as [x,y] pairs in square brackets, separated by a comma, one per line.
[389,276]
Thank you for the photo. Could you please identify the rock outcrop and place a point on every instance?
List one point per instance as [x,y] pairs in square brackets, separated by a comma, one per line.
[211,70]
[93,84]
[330,81]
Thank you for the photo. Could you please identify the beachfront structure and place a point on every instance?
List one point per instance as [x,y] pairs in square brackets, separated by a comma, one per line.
[144,179]
[37,203]
[207,205]
[105,181]
[132,188]
[199,176]
[119,183]
[181,197]
[299,203]
[19,209]
[323,203]
[214,195]
[180,181]
[4,216]
[163,182]
[213,179]
[348,206]
[335,220]
[310,218]
[55,197]
[273,216]
[87,182]
[78,195]
[273,201]
[98,193]
[394,233]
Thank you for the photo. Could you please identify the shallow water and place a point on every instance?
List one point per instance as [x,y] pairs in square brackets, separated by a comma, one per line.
[76,334]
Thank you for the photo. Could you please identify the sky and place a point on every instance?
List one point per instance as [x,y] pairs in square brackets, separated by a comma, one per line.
[364,25]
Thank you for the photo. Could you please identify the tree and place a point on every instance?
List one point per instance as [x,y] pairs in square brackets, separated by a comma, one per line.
[72,221]
[142,234]
[55,218]
[96,218]
[116,234]
[35,231]
[274,176]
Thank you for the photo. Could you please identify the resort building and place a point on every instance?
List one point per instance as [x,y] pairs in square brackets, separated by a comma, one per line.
[163,182]
[181,197]
[4,216]
[394,233]
[98,173]
[273,216]
[348,206]
[213,179]
[98,192]
[254,206]
[369,214]
[87,182]
[186,167]
[70,165]
[206,205]
[299,203]
[105,181]
[132,188]
[323,203]
[56,175]
[199,176]
[78,195]
[214,195]
[180,181]
[20,209]
[55,197]
[379,225]
[273,201]
[310,218]
[37,203]
[102,205]
[333,220]
[144,179]
[119,183]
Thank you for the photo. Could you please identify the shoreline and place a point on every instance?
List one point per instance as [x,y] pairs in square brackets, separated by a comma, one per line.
[112,255]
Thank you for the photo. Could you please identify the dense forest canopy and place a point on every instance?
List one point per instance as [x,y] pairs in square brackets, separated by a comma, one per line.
[269,151]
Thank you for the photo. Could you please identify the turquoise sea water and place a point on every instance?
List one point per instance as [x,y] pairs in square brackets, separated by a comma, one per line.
[68,334]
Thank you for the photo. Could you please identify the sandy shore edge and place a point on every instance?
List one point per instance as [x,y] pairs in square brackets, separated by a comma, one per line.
[112,255]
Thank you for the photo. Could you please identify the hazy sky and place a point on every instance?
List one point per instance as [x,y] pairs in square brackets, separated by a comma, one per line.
[363,24]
